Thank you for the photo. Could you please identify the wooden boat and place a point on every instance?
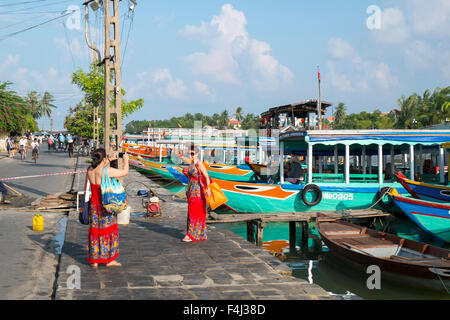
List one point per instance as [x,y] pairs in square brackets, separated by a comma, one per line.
[399,259]
[178,174]
[160,168]
[432,217]
[424,191]
[146,152]
[229,172]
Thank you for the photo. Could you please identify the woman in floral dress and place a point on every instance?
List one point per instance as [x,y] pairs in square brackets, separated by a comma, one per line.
[103,244]
[197,190]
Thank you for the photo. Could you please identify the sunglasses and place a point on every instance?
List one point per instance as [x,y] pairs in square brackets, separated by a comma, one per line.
[192,153]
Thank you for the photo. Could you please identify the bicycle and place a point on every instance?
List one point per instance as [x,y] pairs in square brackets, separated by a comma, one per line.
[35,154]
[22,152]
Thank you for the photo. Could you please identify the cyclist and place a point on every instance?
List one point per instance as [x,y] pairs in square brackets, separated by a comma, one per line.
[35,148]
[70,146]
[23,143]
[61,141]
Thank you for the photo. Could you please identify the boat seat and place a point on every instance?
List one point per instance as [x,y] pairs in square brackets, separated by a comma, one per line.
[437,262]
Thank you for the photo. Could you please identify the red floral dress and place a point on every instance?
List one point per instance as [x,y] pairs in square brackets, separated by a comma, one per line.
[196,220]
[103,244]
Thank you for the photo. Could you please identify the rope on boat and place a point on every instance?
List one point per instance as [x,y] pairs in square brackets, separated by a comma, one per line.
[442,282]
[387,191]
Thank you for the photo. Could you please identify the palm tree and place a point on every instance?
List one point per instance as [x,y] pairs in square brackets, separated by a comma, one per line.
[224,120]
[33,100]
[45,108]
[408,116]
[340,115]
[239,114]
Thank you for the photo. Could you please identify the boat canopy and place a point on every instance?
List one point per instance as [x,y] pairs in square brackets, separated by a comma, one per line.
[368,137]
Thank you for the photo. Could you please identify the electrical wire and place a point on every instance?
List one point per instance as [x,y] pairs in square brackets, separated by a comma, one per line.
[68,44]
[128,36]
[10,35]
[40,6]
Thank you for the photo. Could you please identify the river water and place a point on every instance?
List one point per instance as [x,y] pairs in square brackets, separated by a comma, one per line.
[316,264]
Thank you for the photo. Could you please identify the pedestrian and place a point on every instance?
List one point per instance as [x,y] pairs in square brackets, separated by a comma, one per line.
[8,146]
[4,193]
[50,142]
[103,244]
[12,146]
[197,190]
[23,143]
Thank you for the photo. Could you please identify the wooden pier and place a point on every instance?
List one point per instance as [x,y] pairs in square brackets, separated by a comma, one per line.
[257,222]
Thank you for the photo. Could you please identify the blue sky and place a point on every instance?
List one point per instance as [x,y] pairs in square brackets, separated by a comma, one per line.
[208,55]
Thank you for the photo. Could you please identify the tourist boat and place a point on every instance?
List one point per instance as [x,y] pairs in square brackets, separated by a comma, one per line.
[432,217]
[160,168]
[178,174]
[424,191]
[229,172]
[410,262]
[334,186]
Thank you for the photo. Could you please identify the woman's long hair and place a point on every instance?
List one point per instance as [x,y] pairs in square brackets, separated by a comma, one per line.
[97,157]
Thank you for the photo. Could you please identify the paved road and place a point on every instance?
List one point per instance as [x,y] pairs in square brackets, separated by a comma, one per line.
[29,259]
[49,162]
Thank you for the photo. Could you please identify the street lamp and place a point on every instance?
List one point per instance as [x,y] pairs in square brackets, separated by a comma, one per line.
[95,4]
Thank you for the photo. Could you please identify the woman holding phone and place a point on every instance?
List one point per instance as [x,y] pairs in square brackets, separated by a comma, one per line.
[103,244]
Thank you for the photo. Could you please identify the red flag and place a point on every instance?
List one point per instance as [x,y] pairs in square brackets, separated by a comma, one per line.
[318,74]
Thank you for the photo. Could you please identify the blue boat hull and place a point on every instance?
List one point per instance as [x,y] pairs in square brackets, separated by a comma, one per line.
[432,217]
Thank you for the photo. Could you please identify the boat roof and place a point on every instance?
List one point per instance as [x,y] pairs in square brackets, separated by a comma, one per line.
[299,109]
[368,137]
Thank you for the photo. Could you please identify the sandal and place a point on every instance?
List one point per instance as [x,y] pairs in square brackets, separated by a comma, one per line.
[113,264]
[186,239]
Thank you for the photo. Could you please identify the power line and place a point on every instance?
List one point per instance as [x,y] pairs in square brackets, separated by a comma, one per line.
[20,3]
[35,26]
[68,43]
[40,6]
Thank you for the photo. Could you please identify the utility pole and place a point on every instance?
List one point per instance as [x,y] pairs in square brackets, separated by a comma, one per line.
[95,4]
[112,125]
[319,103]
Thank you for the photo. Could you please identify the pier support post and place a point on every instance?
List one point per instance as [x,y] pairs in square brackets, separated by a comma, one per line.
[292,236]
[259,232]
[251,231]
[305,235]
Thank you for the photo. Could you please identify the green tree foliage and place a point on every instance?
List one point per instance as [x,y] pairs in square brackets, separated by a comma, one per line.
[80,120]
[15,114]
[249,121]
[92,84]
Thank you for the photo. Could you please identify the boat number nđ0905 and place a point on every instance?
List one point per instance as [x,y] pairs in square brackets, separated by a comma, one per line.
[337,196]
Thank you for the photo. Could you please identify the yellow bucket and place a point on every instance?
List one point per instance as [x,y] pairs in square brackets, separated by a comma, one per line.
[38,222]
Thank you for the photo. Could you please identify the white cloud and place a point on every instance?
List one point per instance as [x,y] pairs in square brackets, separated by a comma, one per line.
[431,16]
[394,28]
[11,60]
[337,80]
[340,49]
[382,74]
[205,90]
[232,54]
[166,85]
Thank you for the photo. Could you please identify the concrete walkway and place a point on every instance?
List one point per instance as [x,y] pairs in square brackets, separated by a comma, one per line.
[157,265]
